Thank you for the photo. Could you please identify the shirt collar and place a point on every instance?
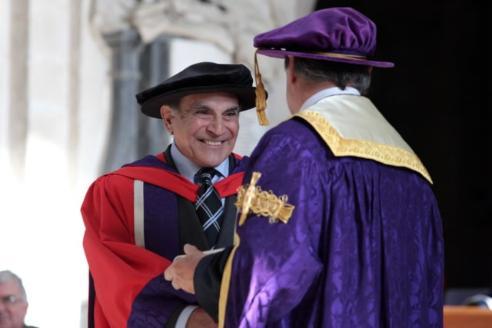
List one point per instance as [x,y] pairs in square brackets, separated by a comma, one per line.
[188,169]
[328,92]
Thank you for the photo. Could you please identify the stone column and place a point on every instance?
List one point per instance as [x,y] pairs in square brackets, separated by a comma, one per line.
[74,88]
[18,103]
[154,65]
[122,145]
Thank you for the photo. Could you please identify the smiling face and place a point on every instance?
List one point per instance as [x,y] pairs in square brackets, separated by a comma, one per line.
[13,306]
[205,126]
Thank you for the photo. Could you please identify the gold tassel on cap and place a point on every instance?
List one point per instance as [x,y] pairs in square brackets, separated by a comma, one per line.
[260,95]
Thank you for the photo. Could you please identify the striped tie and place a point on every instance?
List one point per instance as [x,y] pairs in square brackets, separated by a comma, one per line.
[208,206]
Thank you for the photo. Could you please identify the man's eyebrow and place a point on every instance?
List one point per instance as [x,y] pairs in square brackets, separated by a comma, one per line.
[235,108]
[202,106]
[199,107]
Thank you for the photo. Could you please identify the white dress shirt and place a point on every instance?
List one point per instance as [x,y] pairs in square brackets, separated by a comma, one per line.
[188,169]
[327,93]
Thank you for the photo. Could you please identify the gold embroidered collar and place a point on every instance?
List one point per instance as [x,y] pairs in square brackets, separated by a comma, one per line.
[352,126]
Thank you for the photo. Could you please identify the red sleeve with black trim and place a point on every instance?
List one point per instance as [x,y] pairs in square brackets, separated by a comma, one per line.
[120,269]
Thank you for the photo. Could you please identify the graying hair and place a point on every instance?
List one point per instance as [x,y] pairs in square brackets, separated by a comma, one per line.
[342,75]
[6,276]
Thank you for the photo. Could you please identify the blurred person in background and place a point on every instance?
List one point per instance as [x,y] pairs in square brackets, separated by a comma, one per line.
[13,301]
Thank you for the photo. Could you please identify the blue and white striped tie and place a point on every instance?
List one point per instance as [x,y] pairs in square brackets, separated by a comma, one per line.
[208,206]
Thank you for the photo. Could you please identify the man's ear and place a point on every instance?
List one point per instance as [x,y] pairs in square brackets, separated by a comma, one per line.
[291,72]
[167,116]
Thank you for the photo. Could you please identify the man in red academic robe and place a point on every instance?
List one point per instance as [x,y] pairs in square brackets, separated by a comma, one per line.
[139,217]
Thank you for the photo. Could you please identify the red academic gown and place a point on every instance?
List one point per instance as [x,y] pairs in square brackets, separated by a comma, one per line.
[127,282]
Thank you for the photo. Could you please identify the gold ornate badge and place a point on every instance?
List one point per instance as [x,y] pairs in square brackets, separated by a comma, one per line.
[263,203]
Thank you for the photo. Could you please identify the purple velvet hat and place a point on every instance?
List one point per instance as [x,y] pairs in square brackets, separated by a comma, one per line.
[335,34]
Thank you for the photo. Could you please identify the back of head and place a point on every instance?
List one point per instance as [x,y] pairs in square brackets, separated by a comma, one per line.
[332,45]
[340,74]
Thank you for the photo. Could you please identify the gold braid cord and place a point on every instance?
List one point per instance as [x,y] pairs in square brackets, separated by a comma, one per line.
[263,203]
[260,95]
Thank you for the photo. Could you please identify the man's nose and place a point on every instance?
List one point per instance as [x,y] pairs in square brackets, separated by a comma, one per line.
[216,126]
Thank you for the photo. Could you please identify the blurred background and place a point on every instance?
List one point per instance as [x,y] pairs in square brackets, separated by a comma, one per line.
[69,70]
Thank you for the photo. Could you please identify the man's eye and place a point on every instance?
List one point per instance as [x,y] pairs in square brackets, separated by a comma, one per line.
[232,113]
[201,112]
[10,299]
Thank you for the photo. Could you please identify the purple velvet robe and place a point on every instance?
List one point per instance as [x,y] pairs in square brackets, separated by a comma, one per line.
[363,248]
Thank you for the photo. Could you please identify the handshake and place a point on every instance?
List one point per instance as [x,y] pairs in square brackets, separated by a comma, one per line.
[181,273]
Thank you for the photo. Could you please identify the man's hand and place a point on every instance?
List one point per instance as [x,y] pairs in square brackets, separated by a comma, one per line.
[200,319]
[182,270]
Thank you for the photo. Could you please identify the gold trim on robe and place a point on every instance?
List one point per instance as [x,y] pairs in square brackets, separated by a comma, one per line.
[226,281]
[250,198]
[352,126]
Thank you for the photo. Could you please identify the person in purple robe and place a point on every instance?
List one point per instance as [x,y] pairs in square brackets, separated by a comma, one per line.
[339,226]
